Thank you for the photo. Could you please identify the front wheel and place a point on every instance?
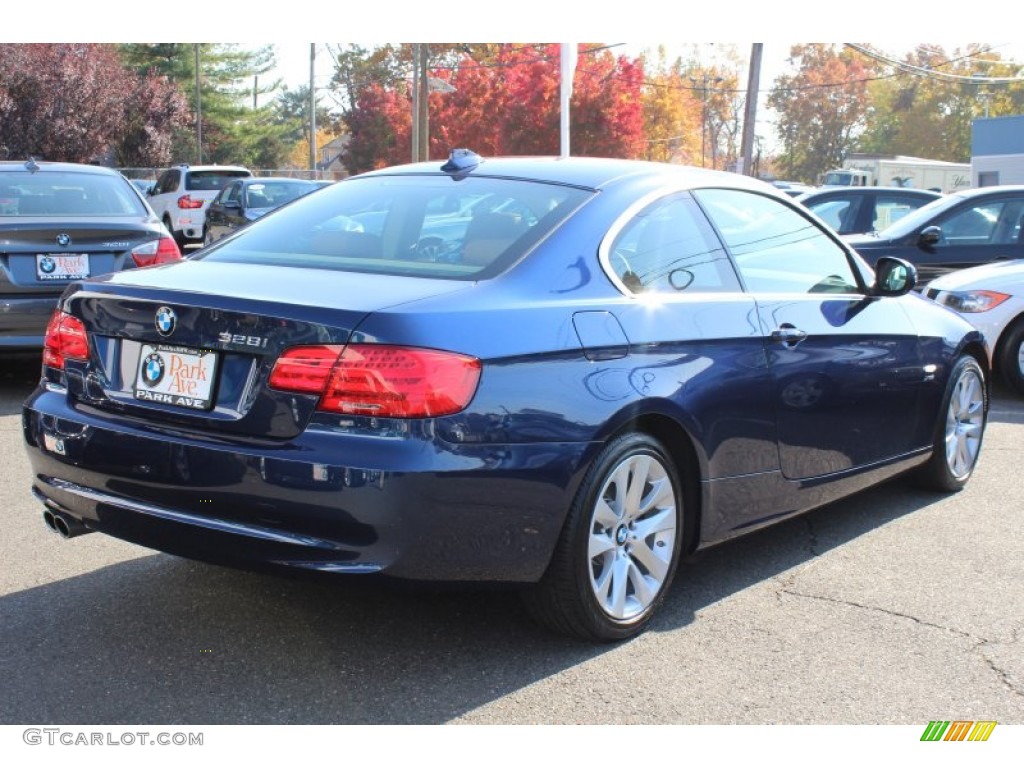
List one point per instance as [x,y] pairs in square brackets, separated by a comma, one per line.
[960,430]
[1011,356]
[620,546]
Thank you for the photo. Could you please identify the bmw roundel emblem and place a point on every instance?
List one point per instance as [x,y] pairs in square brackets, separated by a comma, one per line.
[64,239]
[166,321]
[47,265]
[153,369]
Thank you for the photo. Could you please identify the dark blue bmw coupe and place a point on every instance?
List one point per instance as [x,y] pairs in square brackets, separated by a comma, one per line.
[560,373]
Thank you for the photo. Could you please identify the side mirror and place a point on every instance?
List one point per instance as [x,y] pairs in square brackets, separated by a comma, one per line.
[894,277]
[232,205]
[930,236]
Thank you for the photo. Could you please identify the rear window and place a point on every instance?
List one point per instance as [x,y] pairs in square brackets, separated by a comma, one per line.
[212,181]
[57,193]
[270,194]
[429,226]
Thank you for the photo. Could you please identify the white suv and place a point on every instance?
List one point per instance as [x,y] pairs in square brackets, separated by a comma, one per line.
[182,194]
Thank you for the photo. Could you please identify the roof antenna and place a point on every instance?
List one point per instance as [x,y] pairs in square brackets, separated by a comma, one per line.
[461,162]
[31,166]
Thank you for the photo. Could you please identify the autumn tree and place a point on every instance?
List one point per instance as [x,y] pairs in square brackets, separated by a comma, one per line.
[357,68]
[606,114]
[926,104]
[672,112]
[155,109]
[380,126]
[76,102]
[505,102]
[822,108]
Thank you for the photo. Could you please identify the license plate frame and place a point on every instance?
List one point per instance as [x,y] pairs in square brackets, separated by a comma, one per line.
[62,266]
[178,376]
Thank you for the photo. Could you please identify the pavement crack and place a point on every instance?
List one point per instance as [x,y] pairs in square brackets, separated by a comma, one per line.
[1004,676]
[886,611]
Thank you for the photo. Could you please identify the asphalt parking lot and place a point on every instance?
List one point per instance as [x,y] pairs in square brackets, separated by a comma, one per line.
[894,607]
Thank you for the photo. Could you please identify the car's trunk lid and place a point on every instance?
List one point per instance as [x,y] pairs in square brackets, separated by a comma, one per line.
[192,345]
[44,257]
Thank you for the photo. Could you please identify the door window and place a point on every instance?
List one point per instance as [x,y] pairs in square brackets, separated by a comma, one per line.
[776,248]
[992,223]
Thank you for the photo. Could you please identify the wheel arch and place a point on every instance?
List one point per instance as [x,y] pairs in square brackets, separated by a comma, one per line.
[975,347]
[684,450]
[1000,346]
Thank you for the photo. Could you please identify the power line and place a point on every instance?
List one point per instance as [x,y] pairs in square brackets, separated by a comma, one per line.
[931,72]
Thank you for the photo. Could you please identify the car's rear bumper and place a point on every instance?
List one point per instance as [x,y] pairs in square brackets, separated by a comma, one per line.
[190,223]
[23,320]
[415,508]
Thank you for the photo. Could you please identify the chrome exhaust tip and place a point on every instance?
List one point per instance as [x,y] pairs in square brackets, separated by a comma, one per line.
[50,520]
[66,526]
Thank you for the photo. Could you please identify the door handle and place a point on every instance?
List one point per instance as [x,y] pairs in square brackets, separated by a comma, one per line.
[788,334]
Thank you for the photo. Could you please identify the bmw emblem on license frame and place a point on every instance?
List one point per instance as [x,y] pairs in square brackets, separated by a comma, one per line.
[166,321]
[153,369]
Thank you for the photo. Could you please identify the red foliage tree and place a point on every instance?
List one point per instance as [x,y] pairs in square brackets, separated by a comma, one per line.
[508,105]
[155,107]
[380,125]
[75,102]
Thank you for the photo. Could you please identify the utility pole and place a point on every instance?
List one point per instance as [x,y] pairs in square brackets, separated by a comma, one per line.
[199,113]
[750,113]
[415,102]
[312,109]
[706,79]
[424,104]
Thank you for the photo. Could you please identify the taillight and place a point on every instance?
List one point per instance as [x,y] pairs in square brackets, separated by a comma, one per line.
[185,202]
[380,380]
[65,339]
[160,251]
[304,369]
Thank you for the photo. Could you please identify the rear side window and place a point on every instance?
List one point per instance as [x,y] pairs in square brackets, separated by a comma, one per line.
[668,247]
[56,193]
[211,181]
[168,182]
[840,214]
[891,207]
[431,226]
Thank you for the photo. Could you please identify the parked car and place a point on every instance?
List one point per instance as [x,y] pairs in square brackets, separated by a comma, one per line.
[61,222]
[959,230]
[243,201]
[859,210]
[991,297]
[655,360]
[182,194]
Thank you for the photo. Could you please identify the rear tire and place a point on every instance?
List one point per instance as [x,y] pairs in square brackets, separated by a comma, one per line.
[179,237]
[1011,356]
[960,430]
[619,549]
